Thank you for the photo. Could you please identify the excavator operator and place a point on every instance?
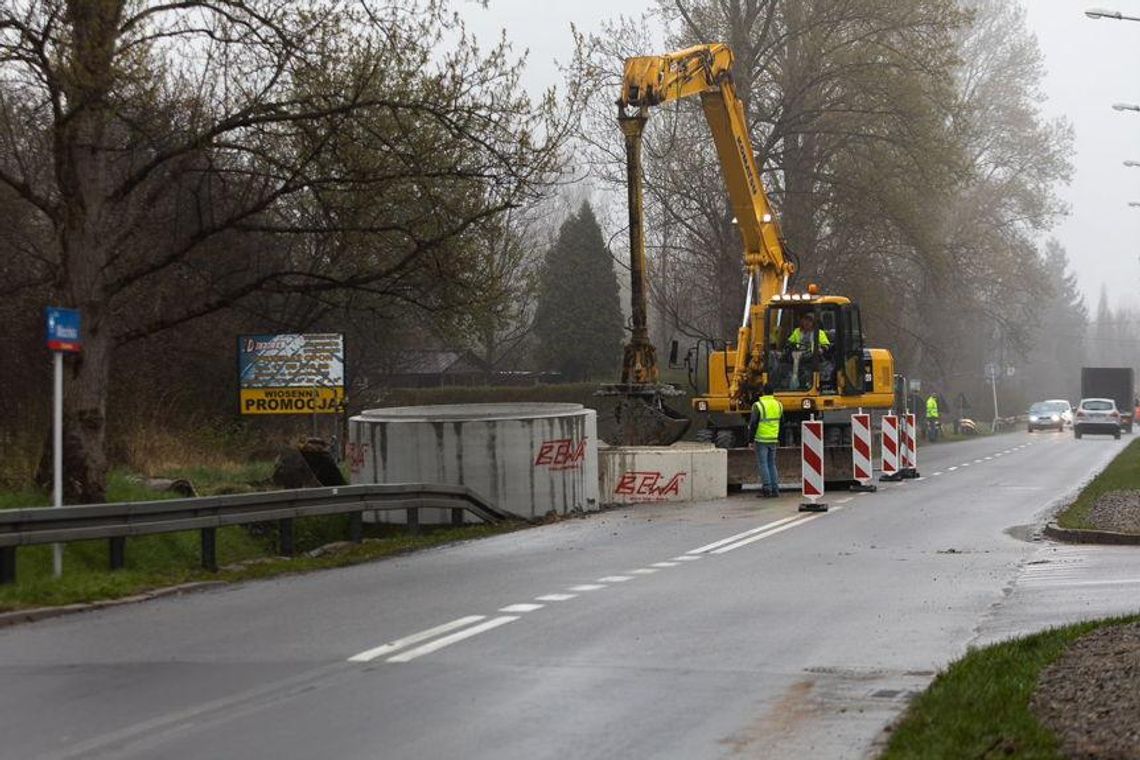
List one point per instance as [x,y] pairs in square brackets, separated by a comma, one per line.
[800,349]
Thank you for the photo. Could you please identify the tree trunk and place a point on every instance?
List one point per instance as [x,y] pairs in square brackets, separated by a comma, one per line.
[85,155]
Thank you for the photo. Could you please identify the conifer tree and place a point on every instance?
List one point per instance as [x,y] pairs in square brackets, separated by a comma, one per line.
[579,320]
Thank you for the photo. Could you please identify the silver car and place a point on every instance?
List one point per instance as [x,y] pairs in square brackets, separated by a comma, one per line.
[1047,415]
[1097,415]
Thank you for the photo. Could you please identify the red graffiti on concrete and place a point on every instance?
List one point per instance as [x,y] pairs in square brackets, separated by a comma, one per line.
[649,485]
[355,453]
[561,454]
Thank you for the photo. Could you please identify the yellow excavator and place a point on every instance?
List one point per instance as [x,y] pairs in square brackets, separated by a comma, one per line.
[808,346]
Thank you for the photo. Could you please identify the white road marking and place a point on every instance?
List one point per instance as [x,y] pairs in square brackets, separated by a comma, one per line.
[844,500]
[664,564]
[524,607]
[687,558]
[415,638]
[587,587]
[643,571]
[978,461]
[615,579]
[920,477]
[937,474]
[989,459]
[964,464]
[953,468]
[752,539]
[738,536]
[438,644]
[556,597]
[1118,582]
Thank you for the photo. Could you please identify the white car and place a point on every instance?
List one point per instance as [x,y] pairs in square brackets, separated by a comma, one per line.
[1097,415]
[1065,407]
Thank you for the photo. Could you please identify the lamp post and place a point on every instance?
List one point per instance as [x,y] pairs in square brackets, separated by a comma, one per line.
[1099,13]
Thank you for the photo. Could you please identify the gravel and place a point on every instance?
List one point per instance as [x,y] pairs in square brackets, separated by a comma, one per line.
[1090,697]
[1118,511]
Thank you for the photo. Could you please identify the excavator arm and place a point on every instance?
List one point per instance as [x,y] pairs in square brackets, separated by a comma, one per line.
[705,71]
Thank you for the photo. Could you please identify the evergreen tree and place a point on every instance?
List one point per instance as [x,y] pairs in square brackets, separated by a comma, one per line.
[1061,350]
[579,320]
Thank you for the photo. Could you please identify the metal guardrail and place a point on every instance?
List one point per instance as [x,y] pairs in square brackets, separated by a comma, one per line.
[119,521]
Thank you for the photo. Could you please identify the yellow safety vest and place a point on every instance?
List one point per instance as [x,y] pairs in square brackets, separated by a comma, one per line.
[770,410]
[932,407]
[802,339]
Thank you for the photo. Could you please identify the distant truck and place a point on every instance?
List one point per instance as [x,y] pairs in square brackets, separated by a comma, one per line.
[1115,383]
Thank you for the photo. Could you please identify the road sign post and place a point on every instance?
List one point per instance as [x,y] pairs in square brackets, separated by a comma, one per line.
[63,337]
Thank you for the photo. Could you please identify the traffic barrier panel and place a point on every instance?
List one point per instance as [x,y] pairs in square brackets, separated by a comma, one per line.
[910,463]
[861,466]
[811,452]
[890,447]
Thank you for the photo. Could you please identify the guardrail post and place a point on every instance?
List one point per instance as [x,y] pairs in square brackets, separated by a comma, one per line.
[118,552]
[285,536]
[356,527]
[210,549]
[7,564]
[414,520]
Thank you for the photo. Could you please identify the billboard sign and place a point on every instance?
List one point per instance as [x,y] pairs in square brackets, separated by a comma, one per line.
[63,330]
[291,374]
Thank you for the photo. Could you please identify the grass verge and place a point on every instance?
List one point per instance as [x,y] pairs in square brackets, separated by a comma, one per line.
[979,707]
[1123,473]
[171,559]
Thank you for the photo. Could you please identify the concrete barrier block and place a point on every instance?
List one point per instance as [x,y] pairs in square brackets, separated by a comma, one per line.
[679,473]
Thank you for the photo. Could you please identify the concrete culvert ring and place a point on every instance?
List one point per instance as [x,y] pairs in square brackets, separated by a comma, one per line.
[526,458]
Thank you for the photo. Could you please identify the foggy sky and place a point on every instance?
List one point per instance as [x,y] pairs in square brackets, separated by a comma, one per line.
[1091,65]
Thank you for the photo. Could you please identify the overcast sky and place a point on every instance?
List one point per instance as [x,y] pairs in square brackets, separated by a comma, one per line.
[1091,65]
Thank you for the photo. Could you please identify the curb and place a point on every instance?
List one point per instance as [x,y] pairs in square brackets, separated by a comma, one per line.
[44,613]
[1082,536]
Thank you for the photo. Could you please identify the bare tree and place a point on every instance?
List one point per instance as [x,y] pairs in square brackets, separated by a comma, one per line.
[181,156]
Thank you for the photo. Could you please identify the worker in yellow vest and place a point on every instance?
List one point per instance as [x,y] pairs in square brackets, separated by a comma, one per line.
[764,435]
[932,417]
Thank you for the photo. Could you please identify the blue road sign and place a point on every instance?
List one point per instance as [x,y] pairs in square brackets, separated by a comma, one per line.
[63,330]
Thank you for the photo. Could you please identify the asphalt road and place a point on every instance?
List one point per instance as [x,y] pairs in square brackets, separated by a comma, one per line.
[736,628]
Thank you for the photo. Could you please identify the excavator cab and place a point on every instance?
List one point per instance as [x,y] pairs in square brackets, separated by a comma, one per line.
[814,347]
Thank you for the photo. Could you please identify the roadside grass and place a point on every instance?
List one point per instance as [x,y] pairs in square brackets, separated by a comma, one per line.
[979,706]
[174,558]
[1123,473]
[244,552]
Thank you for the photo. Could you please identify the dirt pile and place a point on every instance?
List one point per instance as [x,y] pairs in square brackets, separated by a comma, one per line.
[1090,697]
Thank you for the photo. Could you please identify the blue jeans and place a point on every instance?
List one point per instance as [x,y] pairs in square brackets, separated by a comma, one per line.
[766,460]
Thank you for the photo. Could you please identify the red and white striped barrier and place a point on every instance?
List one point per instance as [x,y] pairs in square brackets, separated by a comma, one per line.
[811,451]
[861,465]
[910,456]
[890,447]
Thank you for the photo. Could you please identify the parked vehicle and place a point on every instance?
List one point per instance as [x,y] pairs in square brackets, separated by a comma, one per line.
[1066,409]
[1097,415]
[1115,383]
[1048,415]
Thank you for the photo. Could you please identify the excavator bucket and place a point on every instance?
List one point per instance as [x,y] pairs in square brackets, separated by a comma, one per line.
[640,416]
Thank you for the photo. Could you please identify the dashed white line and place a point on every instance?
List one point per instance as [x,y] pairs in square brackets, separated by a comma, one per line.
[687,558]
[952,469]
[587,587]
[844,500]
[643,571]
[466,633]
[524,607]
[664,564]
[937,474]
[415,638]
[989,459]
[615,579]
[978,461]
[556,597]
[964,464]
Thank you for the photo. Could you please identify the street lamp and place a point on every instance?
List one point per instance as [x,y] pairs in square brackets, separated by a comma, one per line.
[1097,13]
[1125,107]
